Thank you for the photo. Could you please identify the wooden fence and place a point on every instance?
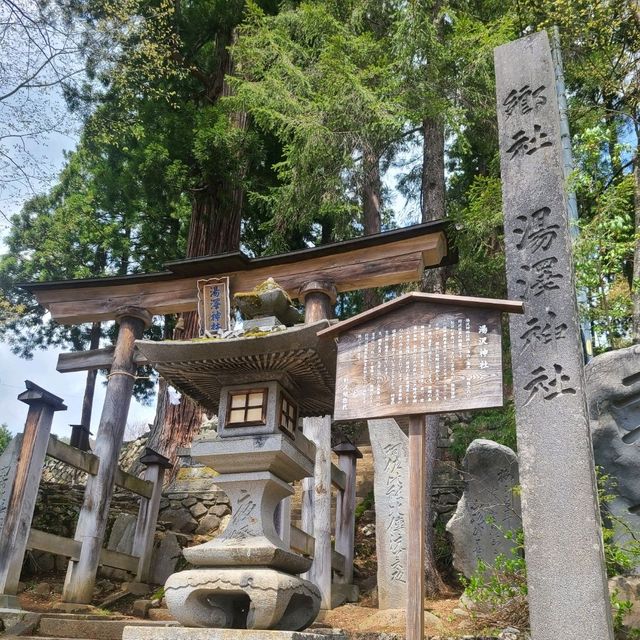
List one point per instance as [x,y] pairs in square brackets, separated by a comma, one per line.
[21,485]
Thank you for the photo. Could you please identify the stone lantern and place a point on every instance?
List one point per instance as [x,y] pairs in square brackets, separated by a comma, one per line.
[261,386]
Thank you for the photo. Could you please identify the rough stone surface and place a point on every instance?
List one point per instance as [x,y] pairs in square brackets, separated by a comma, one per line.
[628,588]
[390,451]
[122,533]
[165,558]
[488,508]
[208,524]
[209,597]
[219,510]
[94,629]
[8,463]
[179,519]
[161,614]
[396,620]
[561,520]
[277,453]
[613,384]
[180,633]
[198,510]
[250,538]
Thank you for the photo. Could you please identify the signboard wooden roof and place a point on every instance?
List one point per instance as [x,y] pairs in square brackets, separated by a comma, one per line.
[420,353]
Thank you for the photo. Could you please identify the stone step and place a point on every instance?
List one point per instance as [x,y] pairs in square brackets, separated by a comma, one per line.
[50,627]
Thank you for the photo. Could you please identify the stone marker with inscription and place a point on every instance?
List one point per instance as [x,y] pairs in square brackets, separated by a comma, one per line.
[489,507]
[389,446]
[560,513]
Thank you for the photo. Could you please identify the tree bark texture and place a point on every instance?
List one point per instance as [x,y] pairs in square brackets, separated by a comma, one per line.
[371,206]
[216,214]
[433,583]
[433,207]
[432,197]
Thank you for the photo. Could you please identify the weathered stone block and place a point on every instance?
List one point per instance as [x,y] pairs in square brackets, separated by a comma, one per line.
[179,519]
[613,385]
[198,510]
[489,507]
[272,599]
[208,524]
[165,558]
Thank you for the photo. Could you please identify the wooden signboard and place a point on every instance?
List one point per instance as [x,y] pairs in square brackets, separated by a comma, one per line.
[420,358]
[418,354]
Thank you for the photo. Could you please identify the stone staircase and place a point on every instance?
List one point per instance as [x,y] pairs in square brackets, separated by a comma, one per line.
[59,626]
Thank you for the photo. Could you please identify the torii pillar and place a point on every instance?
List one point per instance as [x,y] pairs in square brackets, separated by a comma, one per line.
[92,522]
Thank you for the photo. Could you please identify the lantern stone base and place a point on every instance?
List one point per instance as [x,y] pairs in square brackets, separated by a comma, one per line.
[249,598]
[187,633]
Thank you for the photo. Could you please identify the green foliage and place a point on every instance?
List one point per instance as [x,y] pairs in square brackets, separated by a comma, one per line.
[498,425]
[5,437]
[621,557]
[365,505]
[499,591]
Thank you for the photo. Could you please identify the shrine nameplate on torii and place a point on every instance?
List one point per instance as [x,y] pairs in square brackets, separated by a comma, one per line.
[420,353]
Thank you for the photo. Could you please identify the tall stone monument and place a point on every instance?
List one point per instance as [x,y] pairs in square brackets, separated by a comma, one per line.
[390,447]
[568,594]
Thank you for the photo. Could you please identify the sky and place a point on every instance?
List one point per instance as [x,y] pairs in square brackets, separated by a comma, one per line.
[42,368]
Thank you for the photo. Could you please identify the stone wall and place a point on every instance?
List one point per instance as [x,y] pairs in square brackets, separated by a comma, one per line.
[184,518]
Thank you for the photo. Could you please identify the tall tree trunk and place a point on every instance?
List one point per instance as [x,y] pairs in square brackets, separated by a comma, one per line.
[90,385]
[635,294]
[432,195]
[216,213]
[371,206]
[433,207]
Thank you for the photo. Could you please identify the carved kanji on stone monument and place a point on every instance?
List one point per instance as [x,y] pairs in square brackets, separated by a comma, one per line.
[560,515]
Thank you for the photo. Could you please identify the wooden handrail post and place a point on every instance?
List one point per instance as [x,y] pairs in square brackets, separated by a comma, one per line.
[92,522]
[348,455]
[148,513]
[18,502]
[316,506]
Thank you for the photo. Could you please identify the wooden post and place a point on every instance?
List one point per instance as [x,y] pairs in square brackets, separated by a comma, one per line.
[317,506]
[319,298]
[148,513]
[23,491]
[92,522]
[415,529]
[348,455]
[80,437]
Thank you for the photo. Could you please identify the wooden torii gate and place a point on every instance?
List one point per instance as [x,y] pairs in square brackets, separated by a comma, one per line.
[389,258]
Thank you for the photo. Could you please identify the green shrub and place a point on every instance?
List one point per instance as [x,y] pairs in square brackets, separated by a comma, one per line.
[498,425]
